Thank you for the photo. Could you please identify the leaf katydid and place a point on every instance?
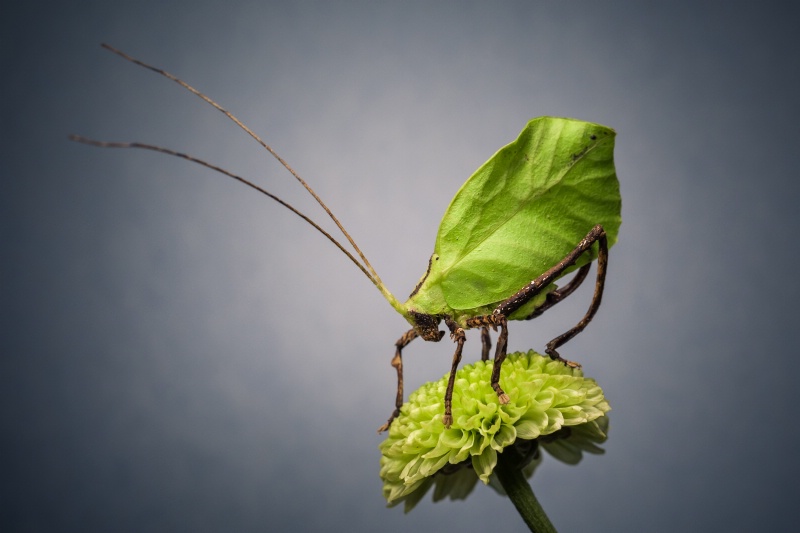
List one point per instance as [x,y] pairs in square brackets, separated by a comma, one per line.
[544,205]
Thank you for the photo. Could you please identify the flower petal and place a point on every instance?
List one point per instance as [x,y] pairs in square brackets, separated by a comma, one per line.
[545,396]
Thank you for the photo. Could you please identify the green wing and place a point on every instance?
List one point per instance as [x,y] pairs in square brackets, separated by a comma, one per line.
[525,209]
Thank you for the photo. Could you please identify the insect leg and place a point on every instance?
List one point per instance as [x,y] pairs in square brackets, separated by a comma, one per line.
[492,321]
[602,262]
[458,335]
[397,363]
[486,342]
[561,293]
[499,357]
[597,234]
[530,290]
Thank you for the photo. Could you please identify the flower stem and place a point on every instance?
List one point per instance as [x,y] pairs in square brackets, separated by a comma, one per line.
[520,492]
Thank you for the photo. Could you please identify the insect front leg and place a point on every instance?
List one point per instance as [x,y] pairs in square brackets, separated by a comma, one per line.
[597,234]
[397,363]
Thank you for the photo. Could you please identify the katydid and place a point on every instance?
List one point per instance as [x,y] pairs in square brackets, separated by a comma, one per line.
[544,205]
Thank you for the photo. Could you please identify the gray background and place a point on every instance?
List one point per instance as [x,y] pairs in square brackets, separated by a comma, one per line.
[179,353]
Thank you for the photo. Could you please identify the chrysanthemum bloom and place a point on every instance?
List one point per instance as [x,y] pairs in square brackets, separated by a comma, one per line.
[547,398]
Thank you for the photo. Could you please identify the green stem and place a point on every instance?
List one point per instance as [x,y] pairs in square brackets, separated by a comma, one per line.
[520,492]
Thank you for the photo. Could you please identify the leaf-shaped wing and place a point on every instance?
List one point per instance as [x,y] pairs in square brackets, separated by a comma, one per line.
[525,209]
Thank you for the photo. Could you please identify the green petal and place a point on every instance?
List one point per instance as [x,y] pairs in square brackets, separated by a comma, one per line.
[546,395]
[484,464]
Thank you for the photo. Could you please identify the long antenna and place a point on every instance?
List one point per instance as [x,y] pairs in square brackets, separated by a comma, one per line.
[376,279]
[366,267]
[106,144]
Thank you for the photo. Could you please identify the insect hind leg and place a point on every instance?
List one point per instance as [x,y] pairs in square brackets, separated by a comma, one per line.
[597,297]
[598,235]
[561,293]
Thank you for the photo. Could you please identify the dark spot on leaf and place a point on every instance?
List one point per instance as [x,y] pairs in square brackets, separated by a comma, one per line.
[580,154]
[593,137]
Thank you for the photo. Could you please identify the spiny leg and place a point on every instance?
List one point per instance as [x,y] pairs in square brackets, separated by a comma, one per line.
[505,309]
[458,335]
[602,263]
[486,343]
[562,292]
[533,288]
[397,363]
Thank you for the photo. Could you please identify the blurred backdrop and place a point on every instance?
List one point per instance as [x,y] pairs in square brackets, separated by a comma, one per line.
[181,354]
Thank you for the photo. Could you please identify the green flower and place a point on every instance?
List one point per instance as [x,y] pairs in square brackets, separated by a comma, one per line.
[548,401]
